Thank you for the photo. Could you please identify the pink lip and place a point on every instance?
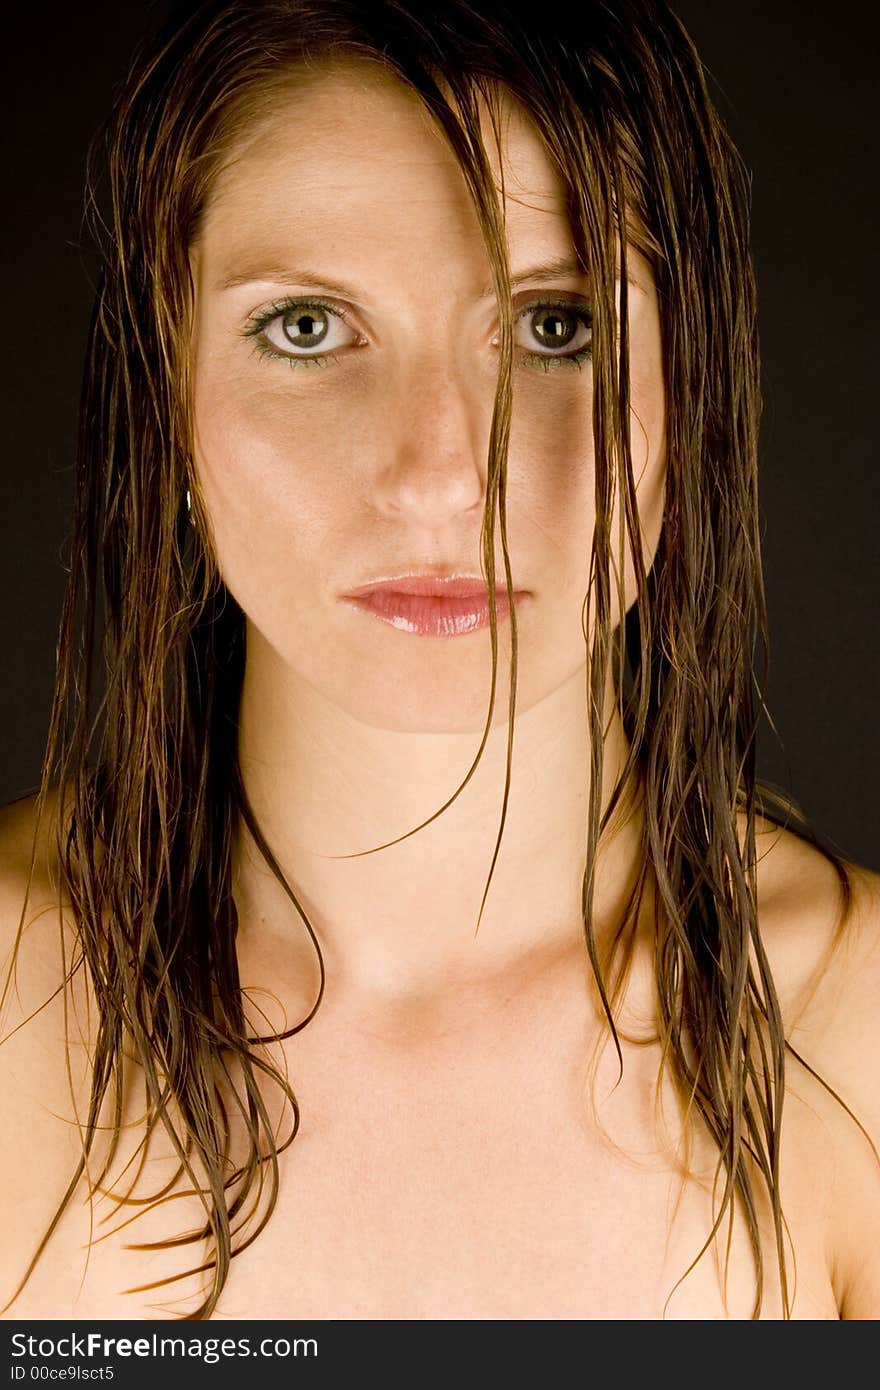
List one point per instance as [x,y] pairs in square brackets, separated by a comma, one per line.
[431,605]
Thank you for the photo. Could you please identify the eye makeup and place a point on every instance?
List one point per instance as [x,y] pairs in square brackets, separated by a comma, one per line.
[257,329]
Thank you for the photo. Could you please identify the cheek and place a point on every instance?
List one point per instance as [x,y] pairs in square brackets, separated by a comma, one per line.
[648,444]
[552,468]
[271,474]
[553,476]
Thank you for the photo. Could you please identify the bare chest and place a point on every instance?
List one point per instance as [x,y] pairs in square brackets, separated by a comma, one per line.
[443,1188]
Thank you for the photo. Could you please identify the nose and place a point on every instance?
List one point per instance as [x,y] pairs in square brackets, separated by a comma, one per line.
[438,437]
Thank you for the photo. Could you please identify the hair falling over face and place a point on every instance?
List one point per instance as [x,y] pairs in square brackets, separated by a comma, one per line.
[151,654]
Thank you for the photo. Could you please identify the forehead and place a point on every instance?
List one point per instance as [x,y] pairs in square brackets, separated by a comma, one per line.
[353,151]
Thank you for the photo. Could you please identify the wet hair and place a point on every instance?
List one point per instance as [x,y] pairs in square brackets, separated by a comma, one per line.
[152,644]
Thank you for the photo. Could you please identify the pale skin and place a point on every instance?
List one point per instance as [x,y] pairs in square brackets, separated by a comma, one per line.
[450,1163]
[318,480]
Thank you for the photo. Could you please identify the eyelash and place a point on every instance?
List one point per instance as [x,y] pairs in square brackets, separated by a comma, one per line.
[259,322]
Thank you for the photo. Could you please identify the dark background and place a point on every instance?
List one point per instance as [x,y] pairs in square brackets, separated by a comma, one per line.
[795,82]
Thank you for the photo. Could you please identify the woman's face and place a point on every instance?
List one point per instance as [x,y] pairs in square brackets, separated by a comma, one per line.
[346,356]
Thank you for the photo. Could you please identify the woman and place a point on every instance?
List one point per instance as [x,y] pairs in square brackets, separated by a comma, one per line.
[424,356]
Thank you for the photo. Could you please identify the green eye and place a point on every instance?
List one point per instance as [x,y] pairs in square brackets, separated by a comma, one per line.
[291,330]
[556,325]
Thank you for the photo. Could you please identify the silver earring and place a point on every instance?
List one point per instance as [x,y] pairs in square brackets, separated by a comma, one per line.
[188,502]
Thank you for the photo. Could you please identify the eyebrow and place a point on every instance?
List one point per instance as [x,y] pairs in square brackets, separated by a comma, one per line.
[561,266]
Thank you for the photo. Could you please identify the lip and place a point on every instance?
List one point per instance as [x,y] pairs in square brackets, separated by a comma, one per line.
[431,605]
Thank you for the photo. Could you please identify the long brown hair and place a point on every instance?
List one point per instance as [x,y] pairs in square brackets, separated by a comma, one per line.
[152,645]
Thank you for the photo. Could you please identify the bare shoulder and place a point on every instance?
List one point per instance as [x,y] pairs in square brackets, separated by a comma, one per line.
[38,944]
[29,888]
[822,937]
[823,946]
[33,923]
[43,1082]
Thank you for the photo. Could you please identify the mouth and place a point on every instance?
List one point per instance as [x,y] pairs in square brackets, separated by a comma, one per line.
[432,605]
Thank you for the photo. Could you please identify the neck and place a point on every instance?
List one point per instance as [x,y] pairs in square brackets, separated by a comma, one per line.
[401,923]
